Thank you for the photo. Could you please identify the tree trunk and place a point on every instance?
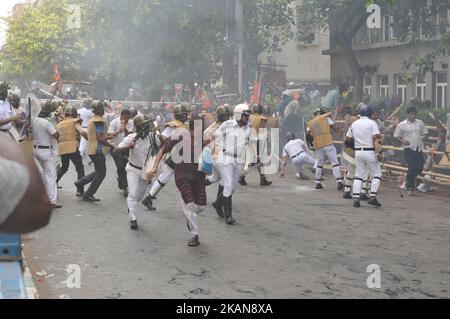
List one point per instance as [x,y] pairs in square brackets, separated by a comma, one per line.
[357,71]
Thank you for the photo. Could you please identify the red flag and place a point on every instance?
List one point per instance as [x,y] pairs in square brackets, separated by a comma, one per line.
[57,76]
[256,92]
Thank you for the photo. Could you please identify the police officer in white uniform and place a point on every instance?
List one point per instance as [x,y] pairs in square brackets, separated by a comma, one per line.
[86,115]
[297,152]
[43,135]
[142,145]
[363,134]
[7,115]
[231,140]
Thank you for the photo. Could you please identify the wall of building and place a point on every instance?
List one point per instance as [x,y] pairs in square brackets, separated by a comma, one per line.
[389,60]
[304,64]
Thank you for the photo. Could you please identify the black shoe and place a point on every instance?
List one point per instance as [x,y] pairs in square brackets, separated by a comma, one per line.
[125,192]
[218,204]
[56,206]
[80,189]
[374,202]
[340,186]
[219,209]
[90,199]
[242,181]
[207,182]
[194,242]
[148,202]
[134,225]
[228,210]
[364,197]
[347,195]
[319,186]
[265,182]
[357,204]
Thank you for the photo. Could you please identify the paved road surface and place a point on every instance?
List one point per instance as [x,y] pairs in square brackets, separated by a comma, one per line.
[290,241]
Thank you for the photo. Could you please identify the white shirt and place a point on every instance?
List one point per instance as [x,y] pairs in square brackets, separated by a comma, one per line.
[231,141]
[139,153]
[412,132]
[293,148]
[14,181]
[209,132]
[109,117]
[43,132]
[115,126]
[168,132]
[6,112]
[362,131]
[85,116]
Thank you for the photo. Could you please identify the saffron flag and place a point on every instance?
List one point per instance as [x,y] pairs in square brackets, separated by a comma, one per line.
[57,76]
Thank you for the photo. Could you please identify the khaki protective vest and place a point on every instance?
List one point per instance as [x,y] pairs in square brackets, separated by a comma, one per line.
[258,121]
[321,132]
[175,123]
[68,136]
[272,122]
[92,135]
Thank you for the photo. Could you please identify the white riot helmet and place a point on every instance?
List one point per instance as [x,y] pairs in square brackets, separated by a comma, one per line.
[239,110]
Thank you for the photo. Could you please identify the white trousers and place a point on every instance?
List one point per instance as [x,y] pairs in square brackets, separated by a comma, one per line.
[47,160]
[350,179]
[330,153]
[83,148]
[367,162]
[229,174]
[136,191]
[303,159]
[163,179]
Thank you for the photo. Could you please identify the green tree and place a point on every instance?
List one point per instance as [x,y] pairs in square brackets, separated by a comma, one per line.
[137,42]
[39,39]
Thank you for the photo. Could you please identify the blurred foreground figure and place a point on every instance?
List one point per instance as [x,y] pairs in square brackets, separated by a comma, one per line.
[24,204]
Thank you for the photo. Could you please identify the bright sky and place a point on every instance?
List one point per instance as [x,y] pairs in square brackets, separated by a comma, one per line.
[5,10]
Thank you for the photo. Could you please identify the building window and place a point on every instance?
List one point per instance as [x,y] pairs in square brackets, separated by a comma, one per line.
[441,90]
[421,86]
[440,18]
[383,81]
[402,86]
[368,86]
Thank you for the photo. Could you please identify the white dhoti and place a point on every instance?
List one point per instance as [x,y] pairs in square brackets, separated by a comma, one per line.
[83,149]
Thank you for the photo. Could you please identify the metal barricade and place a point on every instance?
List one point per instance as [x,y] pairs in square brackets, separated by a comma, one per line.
[11,271]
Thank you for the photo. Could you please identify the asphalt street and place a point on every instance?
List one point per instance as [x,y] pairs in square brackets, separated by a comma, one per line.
[290,241]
